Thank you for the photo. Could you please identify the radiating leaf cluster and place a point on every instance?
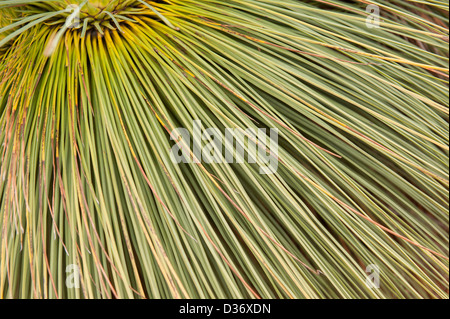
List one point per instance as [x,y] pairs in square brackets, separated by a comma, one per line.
[86,177]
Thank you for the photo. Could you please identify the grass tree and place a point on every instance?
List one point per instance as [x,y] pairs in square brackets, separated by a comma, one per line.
[91,91]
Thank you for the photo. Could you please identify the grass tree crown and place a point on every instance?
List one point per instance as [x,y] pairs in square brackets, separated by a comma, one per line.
[92,91]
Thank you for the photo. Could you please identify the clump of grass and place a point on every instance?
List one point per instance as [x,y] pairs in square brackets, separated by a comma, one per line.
[86,177]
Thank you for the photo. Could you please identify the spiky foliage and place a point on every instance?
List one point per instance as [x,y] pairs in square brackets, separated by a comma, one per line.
[86,178]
